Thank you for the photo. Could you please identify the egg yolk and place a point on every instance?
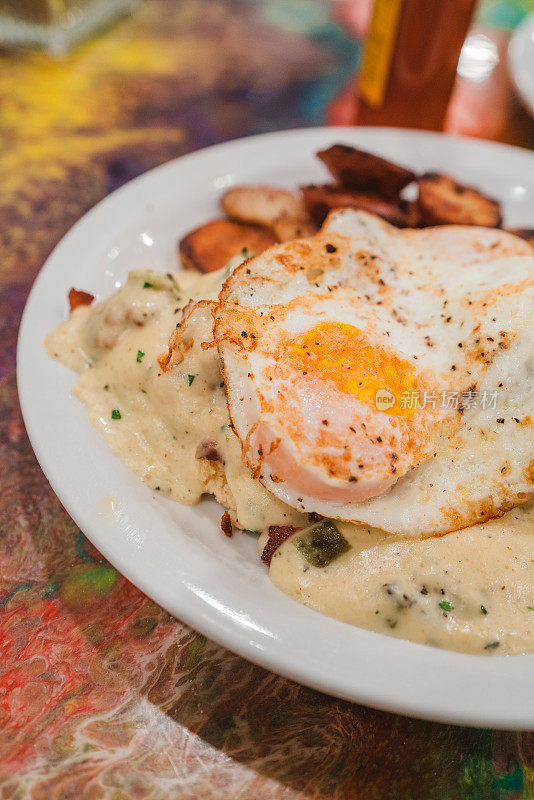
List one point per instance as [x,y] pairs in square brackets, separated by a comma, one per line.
[341,353]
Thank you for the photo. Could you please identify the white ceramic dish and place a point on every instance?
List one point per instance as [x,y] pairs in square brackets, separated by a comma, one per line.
[177,554]
[521,62]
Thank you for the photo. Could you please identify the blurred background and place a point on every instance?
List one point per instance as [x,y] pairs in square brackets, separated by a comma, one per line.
[97,101]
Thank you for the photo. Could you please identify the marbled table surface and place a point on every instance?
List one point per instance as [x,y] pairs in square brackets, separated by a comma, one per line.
[102,693]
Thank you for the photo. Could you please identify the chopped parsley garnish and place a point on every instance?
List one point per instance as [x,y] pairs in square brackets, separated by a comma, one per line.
[484,609]
[530,608]
[191,378]
[148,285]
[116,414]
[445,605]
[140,355]
[245,253]
[144,391]
[106,387]
[491,646]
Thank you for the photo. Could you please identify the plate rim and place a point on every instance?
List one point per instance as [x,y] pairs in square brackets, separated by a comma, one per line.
[194,614]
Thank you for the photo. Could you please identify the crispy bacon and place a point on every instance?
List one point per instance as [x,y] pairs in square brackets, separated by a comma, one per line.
[209,451]
[226,525]
[278,534]
[79,298]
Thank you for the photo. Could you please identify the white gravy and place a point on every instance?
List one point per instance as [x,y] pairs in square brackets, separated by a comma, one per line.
[471,591]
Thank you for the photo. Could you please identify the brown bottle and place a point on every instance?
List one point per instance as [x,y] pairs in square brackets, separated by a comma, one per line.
[410,61]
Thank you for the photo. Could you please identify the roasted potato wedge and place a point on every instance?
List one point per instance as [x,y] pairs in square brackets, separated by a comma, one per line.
[286,229]
[320,200]
[365,172]
[444,201]
[211,246]
[261,205]
[524,233]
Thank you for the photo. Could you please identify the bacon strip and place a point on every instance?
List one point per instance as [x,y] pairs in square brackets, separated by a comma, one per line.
[79,298]
[278,534]
[209,451]
[226,524]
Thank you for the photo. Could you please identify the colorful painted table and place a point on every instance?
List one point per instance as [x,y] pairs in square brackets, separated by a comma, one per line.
[102,693]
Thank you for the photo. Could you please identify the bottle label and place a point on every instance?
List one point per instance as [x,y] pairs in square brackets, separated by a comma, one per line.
[379,51]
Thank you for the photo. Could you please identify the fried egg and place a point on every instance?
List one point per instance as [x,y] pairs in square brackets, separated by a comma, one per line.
[385,376]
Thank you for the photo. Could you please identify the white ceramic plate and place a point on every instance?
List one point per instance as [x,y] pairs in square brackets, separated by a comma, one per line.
[521,62]
[177,554]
